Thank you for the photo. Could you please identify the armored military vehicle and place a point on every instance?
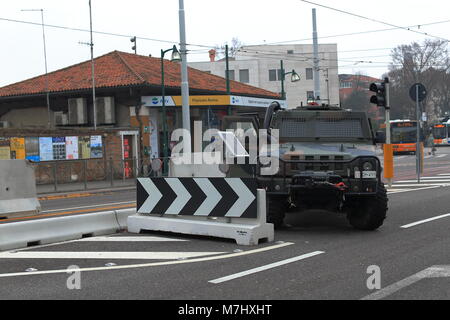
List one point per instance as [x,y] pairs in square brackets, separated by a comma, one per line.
[327,160]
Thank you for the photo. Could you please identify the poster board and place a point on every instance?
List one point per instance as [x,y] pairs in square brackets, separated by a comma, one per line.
[59,148]
[96,147]
[46,149]
[32,149]
[72,148]
[5,150]
[84,147]
[17,148]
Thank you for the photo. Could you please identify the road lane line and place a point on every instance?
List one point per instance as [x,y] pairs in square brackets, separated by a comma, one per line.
[148,265]
[436,181]
[105,255]
[129,239]
[266,267]
[433,272]
[425,221]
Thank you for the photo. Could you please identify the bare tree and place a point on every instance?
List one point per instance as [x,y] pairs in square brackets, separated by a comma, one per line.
[233,49]
[427,64]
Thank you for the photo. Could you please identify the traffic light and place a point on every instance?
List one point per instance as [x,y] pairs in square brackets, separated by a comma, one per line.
[380,98]
[135,44]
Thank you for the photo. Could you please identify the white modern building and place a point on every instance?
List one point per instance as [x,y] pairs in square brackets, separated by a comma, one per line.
[260,66]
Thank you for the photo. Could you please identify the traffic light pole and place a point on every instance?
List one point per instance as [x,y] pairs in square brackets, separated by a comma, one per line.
[418,146]
[388,128]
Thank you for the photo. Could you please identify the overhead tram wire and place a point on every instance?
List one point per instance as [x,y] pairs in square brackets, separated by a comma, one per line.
[353,33]
[99,32]
[375,20]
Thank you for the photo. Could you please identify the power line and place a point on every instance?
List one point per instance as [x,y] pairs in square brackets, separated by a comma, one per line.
[99,32]
[359,33]
[375,20]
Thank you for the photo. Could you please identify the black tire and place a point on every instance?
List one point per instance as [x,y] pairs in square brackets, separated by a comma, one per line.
[276,210]
[369,214]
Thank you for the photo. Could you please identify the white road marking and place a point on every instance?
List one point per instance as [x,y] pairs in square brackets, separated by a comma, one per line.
[433,272]
[147,265]
[105,255]
[425,221]
[129,239]
[420,185]
[437,181]
[394,191]
[444,174]
[266,267]
[86,207]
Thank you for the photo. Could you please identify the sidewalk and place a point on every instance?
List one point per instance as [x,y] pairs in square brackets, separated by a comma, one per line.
[80,189]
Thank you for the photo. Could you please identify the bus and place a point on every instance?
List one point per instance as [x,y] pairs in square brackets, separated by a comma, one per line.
[441,134]
[403,135]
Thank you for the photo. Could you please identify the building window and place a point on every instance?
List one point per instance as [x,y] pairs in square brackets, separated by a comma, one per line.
[310,96]
[309,74]
[273,75]
[290,52]
[244,76]
[346,85]
[231,74]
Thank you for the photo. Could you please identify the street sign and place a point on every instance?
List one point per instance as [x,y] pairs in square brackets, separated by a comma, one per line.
[422,92]
[201,197]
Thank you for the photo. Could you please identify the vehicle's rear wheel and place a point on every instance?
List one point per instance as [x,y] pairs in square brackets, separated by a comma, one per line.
[369,214]
[276,210]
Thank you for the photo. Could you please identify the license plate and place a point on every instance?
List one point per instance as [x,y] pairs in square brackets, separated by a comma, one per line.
[366,175]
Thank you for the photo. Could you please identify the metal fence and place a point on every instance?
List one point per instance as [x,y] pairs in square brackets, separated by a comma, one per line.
[74,175]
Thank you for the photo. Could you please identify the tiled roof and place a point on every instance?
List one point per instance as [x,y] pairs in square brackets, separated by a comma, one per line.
[120,69]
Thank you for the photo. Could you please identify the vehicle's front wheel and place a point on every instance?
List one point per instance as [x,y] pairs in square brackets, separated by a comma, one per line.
[276,210]
[369,214]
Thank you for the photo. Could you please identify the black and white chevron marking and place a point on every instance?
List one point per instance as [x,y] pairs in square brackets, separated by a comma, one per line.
[207,197]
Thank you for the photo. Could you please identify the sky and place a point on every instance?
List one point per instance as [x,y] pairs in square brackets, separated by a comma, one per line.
[210,23]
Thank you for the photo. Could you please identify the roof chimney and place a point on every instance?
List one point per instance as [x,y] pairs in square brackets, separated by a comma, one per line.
[212,55]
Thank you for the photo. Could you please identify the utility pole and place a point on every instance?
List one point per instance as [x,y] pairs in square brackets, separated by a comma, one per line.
[184,79]
[93,69]
[47,87]
[227,75]
[316,58]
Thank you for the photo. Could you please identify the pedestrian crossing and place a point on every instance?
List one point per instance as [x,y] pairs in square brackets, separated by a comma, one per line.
[426,182]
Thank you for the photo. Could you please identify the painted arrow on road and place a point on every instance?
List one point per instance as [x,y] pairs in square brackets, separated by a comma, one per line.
[208,197]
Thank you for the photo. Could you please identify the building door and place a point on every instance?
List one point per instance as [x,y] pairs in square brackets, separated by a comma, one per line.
[128,153]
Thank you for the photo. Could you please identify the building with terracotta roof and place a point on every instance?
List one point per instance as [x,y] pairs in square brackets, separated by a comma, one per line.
[123,82]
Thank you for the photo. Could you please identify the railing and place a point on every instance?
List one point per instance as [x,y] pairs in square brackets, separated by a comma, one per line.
[74,175]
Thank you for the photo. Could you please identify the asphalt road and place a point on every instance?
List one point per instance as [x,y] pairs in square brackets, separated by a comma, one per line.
[319,257]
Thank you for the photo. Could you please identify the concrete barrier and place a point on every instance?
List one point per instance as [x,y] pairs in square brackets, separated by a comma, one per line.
[245,232]
[45,231]
[17,189]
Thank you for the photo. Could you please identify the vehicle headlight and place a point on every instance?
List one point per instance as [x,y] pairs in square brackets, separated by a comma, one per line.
[368,166]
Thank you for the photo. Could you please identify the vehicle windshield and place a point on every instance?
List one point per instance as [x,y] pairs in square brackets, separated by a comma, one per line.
[440,132]
[404,134]
[322,128]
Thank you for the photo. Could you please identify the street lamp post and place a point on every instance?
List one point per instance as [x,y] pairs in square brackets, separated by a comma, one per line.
[176,57]
[47,89]
[294,78]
